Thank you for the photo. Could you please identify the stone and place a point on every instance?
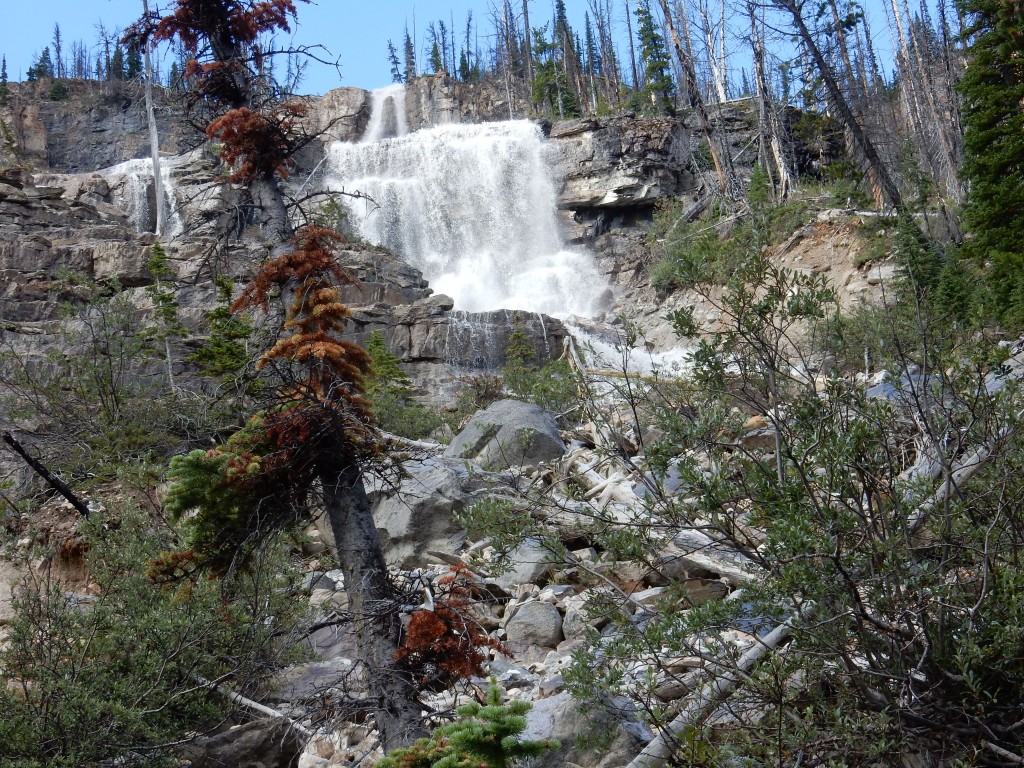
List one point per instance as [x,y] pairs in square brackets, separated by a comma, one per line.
[266,743]
[416,515]
[535,623]
[578,617]
[613,737]
[620,162]
[509,434]
[530,564]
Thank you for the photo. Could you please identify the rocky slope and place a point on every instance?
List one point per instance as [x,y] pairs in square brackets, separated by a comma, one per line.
[62,224]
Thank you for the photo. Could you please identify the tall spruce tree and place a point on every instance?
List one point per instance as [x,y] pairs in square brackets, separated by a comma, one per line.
[4,90]
[993,91]
[658,89]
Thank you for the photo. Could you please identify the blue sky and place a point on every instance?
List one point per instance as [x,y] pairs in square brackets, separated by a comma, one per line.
[355,31]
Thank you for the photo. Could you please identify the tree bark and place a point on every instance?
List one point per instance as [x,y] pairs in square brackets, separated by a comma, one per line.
[372,602]
[697,103]
[154,139]
[842,106]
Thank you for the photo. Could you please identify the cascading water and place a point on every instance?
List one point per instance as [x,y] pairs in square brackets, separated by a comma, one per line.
[387,114]
[472,207]
[132,184]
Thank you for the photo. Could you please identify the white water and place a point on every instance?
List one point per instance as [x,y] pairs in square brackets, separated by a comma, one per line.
[387,114]
[472,207]
[132,184]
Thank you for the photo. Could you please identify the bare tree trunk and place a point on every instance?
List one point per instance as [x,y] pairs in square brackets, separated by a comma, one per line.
[725,183]
[529,48]
[632,49]
[885,179]
[717,69]
[767,119]
[154,138]
[373,605]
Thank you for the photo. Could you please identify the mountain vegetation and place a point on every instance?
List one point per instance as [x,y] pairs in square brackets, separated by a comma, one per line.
[867,531]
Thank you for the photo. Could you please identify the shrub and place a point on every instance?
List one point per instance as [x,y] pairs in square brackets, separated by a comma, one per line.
[116,676]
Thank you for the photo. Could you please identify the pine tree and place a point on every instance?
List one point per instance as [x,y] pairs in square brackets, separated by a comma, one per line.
[993,90]
[117,68]
[410,57]
[133,64]
[396,67]
[658,90]
[4,91]
[485,736]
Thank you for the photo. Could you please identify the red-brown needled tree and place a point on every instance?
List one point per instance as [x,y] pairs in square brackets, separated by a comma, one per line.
[316,435]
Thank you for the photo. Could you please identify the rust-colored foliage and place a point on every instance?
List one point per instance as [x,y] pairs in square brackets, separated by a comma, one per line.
[321,405]
[256,143]
[227,23]
[317,425]
[446,645]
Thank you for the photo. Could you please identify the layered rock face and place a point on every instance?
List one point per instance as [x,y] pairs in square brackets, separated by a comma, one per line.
[621,162]
[97,124]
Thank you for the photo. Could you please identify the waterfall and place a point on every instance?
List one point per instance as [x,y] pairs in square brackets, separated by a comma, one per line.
[132,186]
[387,114]
[472,207]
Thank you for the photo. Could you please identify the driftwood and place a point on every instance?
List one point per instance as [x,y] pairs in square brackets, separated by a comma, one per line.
[40,469]
[708,697]
[255,706]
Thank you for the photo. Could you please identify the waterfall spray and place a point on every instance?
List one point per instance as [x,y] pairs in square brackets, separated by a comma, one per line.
[472,207]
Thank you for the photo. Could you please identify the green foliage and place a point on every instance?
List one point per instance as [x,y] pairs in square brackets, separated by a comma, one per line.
[390,391]
[103,407]
[484,736]
[705,252]
[58,91]
[225,352]
[115,676]
[656,96]
[992,87]
[551,385]
[930,609]
[4,89]
[550,87]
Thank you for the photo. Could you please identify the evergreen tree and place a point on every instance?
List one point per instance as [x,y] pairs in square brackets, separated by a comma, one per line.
[133,64]
[117,70]
[174,76]
[4,91]
[658,90]
[396,67]
[410,57]
[42,68]
[486,736]
[993,90]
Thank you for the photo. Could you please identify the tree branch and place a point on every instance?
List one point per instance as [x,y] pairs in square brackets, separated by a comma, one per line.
[55,482]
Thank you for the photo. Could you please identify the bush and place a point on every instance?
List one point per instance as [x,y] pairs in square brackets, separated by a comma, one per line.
[116,675]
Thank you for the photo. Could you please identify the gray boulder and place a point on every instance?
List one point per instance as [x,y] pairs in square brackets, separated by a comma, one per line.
[612,738]
[416,514]
[509,434]
[535,623]
[267,743]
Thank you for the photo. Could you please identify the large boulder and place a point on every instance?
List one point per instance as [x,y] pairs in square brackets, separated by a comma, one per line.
[509,434]
[416,514]
[614,737]
[267,743]
[535,623]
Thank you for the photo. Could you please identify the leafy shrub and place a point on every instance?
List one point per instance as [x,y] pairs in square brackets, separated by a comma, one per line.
[116,676]
[390,390]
